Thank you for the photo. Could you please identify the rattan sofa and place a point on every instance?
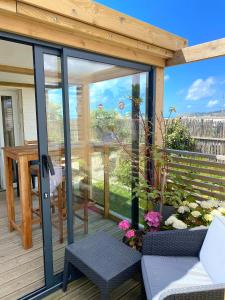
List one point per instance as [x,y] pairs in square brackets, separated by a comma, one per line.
[185,264]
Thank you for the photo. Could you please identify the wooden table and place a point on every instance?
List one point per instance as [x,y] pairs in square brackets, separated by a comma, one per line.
[23,155]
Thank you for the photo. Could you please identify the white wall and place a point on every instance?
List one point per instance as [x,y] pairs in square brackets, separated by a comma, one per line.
[29,114]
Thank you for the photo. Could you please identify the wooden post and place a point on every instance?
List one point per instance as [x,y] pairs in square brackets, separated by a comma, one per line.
[106,181]
[135,148]
[25,199]
[159,101]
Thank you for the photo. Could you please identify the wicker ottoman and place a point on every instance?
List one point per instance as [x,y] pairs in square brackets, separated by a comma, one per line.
[106,261]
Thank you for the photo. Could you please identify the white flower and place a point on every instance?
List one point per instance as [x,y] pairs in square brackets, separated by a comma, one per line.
[196,214]
[208,217]
[206,204]
[214,203]
[170,220]
[178,224]
[215,212]
[185,203]
[222,210]
[183,209]
[222,204]
[193,205]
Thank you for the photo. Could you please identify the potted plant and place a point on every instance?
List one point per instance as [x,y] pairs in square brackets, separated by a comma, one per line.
[134,238]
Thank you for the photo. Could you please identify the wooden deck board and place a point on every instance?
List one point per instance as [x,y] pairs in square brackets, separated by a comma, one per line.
[22,271]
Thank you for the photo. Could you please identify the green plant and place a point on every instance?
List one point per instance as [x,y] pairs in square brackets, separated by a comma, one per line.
[105,122]
[176,191]
[178,136]
[122,170]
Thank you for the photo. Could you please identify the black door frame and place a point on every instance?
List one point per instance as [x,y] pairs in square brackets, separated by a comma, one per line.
[53,282]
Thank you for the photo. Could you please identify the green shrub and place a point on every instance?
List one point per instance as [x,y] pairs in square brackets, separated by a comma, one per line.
[178,136]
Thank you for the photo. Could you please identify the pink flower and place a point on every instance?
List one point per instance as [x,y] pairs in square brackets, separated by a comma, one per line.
[153,219]
[130,233]
[124,225]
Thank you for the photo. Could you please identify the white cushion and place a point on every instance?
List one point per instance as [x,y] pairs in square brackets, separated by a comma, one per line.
[212,254]
[168,275]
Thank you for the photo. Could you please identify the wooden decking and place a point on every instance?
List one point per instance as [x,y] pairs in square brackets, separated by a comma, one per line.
[21,271]
[83,289]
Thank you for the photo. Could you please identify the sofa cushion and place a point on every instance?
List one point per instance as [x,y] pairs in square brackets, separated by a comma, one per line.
[168,275]
[212,254]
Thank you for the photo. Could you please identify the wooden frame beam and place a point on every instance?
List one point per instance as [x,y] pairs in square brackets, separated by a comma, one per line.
[199,52]
[16,84]
[31,28]
[77,27]
[8,5]
[100,16]
[16,70]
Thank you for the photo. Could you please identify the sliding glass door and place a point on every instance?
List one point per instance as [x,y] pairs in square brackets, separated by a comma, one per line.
[89,111]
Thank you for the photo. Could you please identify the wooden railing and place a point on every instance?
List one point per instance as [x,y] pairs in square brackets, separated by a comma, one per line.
[204,172]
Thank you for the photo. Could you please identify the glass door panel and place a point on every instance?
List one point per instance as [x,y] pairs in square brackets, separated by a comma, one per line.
[91,149]
[105,132]
[56,152]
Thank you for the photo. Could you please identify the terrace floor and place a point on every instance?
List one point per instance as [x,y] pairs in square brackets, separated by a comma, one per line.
[21,271]
[83,289]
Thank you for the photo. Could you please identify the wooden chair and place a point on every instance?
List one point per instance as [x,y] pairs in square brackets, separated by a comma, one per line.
[58,204]
[34,162]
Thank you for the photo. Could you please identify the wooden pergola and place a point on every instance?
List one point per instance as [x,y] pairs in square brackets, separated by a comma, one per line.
[87,25]
[92,27]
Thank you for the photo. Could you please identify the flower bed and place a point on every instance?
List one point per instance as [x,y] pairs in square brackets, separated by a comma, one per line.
[187,215]
[193,214]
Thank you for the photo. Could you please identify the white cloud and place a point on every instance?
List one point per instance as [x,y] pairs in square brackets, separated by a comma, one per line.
[212,103]
[166,77]
[201,88]
[189,106]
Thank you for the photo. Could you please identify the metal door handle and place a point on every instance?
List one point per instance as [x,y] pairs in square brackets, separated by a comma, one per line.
[47,165]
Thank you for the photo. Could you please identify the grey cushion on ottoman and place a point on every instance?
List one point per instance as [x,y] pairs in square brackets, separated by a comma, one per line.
[167,275]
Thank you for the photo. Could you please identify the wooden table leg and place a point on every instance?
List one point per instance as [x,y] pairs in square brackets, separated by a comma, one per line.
[25,200]
[9,190]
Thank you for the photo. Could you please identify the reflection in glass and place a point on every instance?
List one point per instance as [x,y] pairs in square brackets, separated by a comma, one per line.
[54,112]
[105,133]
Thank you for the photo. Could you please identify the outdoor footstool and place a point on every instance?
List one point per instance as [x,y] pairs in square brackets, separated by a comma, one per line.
[106,261]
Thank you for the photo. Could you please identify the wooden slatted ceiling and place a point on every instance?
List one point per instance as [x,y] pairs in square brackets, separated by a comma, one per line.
[199,52]
[100,16]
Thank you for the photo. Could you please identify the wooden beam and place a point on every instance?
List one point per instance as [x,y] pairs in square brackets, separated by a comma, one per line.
[37,30]
[8,5]
[16,70]
[199,52]
[16,84]
[99,34]
[158,117]
[159,101]
[101,16]
[111,73]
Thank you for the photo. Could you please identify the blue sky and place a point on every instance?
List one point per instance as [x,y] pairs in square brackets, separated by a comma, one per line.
[196,87]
